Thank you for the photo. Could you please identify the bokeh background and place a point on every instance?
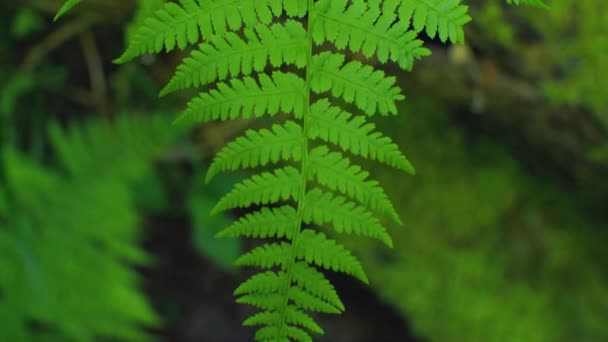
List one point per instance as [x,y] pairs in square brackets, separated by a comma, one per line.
[104,227]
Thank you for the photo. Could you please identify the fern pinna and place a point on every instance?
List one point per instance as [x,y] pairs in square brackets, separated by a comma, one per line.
[320,185]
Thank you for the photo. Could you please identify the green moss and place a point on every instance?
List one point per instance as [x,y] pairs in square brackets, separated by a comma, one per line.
[487,253]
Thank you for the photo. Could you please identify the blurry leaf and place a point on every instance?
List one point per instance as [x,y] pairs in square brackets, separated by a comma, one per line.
[600,154]
[68,5]
[102,148]
[69,243]
[26,22]
[223,252]
[13,88]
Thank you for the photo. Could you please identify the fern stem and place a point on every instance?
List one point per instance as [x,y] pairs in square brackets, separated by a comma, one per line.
[303,173]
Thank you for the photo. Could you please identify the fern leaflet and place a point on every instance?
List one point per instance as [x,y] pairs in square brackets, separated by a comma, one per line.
[445,18]
[280,93]
[284,142]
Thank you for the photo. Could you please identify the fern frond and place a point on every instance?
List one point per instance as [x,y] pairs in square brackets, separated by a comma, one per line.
[268,284]
[370,90]
[246,98]
[258,148]
[67,6]
[80,149]
[276,222]
[293,317]
[316,248]
[365,28]
[81,207]
[335,172]
[354,135]
[230,55]
[248,65]
[264,188]
[346,217]
[446,17]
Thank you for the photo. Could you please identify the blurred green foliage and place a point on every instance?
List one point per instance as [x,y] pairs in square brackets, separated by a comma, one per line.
[26,22]
[223,252]
[576,32]
[69,234]
[567,54]
[487,252]
[72,201]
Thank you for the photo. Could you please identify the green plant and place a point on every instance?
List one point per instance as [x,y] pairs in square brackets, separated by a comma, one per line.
[68,5]
[242,39]
[576,34]
[258,58]
[65,238]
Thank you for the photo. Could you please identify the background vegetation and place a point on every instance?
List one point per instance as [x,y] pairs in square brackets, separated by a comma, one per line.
[104,225]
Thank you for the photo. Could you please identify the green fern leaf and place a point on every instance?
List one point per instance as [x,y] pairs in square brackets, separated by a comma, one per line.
[346,217]
[354,135]
[100,227]
[298,317]
[281,93]
[258,148]
[263,318]
[229,55]
[248,65]
[306,301]
[293,317]
[356,83]
[266,256]
[81,148]
[269,283]
[315,283]
[318,249]
[264,188]
[265,283]
[262,301]
[446,17]
[336,173]
[276,222]
[270,333]
[365,28]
